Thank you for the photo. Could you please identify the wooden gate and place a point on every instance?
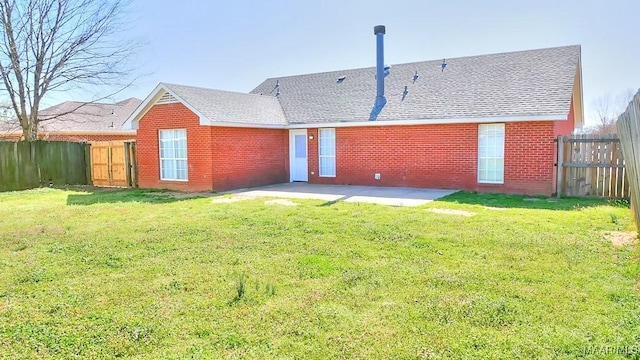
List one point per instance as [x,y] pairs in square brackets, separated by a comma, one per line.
[113,163]
[591,166]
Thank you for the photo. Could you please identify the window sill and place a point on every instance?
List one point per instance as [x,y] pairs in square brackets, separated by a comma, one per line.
[327,176]
[491,182]
[173,181]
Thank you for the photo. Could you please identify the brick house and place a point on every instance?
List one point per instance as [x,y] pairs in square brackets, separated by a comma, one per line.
[79,122]
[480,123]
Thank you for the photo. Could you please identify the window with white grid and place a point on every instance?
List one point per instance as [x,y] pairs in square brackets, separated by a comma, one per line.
[491,153]
[173,154]
[327,152]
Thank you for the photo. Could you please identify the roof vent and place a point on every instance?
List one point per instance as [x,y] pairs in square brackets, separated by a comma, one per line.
[444,64]
[278,92]
[341,79]
[404,93]
[166,98]
[415,77]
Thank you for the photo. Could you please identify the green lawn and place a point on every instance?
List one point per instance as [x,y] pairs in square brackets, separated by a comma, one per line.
[104,274]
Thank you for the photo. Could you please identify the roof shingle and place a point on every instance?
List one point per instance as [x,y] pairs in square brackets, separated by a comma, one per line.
[231,107]
[75,116]
[523,83]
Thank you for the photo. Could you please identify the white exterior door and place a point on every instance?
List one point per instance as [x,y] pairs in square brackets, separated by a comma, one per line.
[298,164]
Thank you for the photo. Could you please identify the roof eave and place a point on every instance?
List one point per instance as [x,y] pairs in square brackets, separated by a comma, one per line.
[467,120]
[133,120]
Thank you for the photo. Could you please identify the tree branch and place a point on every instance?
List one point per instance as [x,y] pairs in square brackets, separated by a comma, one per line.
[52,45]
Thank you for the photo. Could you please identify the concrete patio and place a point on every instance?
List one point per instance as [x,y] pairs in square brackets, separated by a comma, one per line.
[394,196]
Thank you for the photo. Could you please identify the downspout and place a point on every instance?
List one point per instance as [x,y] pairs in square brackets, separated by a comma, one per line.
[381,101]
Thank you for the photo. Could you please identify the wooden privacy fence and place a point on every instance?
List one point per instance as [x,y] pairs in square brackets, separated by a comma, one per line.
[113,163]
[25,165]
[628,125]
[591,166]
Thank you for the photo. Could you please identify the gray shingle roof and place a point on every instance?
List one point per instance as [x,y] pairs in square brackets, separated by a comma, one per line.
[231,107]
[523,83]
[74,116]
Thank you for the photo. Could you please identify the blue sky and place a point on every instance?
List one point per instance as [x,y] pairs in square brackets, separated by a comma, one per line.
[235,45]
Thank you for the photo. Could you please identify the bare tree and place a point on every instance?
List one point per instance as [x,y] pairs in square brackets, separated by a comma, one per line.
[5,120]
[57,45]
[607,108]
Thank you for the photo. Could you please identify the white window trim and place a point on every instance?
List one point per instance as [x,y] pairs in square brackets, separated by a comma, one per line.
[160,156]
[335,164]
[503,154]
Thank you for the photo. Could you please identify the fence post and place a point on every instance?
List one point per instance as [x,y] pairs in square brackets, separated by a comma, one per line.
[134,162]
[559,167]
[127,163]
[87,163]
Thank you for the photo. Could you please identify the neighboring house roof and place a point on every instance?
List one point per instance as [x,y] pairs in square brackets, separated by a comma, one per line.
[516,86]
[523,83]
[79,117]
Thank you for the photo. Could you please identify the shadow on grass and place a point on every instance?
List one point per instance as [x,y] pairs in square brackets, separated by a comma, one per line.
[332,202]
[529,202]
[106,196]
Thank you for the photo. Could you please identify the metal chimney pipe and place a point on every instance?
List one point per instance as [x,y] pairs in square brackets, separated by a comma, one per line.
[381,101]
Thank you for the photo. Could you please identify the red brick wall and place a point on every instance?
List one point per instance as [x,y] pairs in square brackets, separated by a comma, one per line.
[11,137]
[174,116]
[219,158]
[244,157]
[439,156]
[415,156]
[562,128]
[529,159]
[565,127]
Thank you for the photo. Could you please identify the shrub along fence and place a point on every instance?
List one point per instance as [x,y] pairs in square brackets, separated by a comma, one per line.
[26,165]
[629,129]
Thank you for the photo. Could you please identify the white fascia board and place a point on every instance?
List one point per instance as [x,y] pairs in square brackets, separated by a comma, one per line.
[244,125]
[480,120]
[203,119]
[134,118]
[149,102]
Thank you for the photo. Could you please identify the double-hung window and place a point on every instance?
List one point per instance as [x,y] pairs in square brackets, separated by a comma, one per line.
[491,153]
[327,152]
[173,154]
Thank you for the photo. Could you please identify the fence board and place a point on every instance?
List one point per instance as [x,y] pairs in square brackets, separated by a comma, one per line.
[628,125]
[25,165]
[589,166]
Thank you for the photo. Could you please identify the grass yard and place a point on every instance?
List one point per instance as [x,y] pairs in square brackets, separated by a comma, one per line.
[105,274]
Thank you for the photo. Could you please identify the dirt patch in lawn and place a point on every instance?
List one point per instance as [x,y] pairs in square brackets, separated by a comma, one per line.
[452,212]
[495,208]
[227,200]
[283,202]
[622,238]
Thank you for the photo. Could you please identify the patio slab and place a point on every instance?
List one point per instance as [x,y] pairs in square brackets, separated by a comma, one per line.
[394,196]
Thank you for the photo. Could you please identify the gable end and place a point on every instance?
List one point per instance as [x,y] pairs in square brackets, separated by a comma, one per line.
[166,98]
